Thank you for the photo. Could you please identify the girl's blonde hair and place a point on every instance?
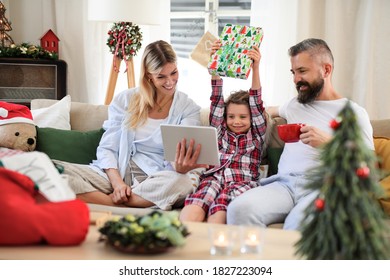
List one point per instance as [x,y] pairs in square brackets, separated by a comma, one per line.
[155,56]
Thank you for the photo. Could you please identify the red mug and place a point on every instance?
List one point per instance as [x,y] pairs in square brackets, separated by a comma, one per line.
[289,133]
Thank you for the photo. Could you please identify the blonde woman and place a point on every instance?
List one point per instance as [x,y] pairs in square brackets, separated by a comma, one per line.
[130,169]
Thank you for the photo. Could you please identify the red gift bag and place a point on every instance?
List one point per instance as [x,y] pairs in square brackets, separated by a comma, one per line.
[27,218]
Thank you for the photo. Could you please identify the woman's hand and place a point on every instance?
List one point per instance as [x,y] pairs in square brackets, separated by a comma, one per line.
[185,159]
[121,193]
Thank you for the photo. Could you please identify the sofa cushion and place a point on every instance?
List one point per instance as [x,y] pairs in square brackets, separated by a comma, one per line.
[81,112]
[57,115]
[381,128]
[274,140]
[385,200]
[273,156]
[382,150]
[83,116]
[69,145]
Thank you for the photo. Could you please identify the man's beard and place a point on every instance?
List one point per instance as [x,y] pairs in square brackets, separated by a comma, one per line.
[311,93]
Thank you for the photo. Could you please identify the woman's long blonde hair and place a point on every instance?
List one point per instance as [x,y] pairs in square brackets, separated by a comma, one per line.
[155,56]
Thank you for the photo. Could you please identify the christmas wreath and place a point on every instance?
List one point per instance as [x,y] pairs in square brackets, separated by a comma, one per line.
[124,39]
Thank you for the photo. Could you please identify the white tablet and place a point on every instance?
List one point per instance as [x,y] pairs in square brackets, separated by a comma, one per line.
[204,135]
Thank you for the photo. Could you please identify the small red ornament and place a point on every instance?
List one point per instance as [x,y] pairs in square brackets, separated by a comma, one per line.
[363,172]
[335,123]
[319,203]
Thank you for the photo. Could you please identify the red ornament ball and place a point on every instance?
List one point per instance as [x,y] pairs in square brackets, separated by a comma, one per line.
[319,203]
[363,172]
[335,123]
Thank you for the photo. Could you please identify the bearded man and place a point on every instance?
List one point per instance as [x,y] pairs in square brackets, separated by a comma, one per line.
[282,198]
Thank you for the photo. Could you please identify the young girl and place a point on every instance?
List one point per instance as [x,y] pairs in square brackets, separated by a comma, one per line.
[241,125]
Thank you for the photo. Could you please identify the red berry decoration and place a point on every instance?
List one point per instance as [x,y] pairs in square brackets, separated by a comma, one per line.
[319,203]
[363,172]
[335,123]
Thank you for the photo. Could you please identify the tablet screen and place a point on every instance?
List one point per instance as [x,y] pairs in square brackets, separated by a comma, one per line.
[204,135]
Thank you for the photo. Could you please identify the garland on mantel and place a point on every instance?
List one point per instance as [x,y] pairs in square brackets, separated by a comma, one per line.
[26,50]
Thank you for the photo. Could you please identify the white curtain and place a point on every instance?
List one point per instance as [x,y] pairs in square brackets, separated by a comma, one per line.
[358,33]
[83,48]
[278,20]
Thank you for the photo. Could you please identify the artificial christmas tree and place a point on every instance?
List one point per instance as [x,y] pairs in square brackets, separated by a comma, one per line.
[5,26]
[345,221]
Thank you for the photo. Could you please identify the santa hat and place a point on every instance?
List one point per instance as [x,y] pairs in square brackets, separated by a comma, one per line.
[14,113]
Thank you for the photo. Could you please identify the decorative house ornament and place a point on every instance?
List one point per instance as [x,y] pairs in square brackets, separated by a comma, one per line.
[5,26]
[50,42]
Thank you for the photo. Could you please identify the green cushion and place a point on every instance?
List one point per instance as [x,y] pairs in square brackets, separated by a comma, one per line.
[273,155]
[69,145]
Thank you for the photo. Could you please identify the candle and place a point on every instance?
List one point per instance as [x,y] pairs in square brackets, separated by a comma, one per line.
[221,242]
[250,240]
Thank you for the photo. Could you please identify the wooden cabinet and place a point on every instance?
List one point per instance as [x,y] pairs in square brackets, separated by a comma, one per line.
[23,79]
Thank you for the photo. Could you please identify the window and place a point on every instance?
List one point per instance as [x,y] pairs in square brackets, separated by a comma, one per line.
[190,19]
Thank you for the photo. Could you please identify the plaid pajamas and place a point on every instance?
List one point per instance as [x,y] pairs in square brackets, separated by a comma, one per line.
[214,194]
[240,155]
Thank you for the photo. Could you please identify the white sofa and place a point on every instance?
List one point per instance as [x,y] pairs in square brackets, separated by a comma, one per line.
[86,117]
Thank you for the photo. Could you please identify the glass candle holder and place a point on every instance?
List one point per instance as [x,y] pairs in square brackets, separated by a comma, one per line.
[221,240]
[251,239]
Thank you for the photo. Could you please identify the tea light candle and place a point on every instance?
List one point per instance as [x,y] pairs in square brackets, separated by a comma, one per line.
[221,242]
[250,242]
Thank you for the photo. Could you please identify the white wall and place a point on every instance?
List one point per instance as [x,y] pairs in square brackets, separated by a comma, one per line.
[28,20]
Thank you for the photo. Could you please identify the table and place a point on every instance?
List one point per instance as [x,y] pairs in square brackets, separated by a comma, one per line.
[278,245]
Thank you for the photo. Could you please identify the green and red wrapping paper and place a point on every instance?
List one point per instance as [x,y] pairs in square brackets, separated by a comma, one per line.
[231,59]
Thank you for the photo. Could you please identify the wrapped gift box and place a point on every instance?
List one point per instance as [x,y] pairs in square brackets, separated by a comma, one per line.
[231,59]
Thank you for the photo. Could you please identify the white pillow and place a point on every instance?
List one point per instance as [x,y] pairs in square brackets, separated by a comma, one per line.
[54,116]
